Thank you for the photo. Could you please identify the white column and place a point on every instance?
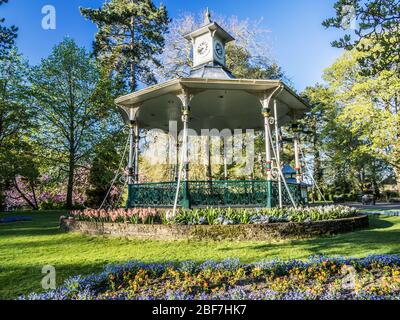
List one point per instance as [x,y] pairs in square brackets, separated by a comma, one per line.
[185,98]
[266,112]
[136,170]
[225,166]
[208,158]
[185,120]
[177,159]
[268,158]
[278,153]
[297,159]
[131,146]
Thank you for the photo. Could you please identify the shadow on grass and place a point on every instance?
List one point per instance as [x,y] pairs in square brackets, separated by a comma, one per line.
[42,224]
[377,223]
[16,280]
[380,237]
[375,238]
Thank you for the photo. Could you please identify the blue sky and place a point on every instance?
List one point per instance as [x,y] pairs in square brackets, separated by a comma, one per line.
[300,44]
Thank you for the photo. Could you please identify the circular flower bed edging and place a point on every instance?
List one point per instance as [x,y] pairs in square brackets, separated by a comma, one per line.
[261,232]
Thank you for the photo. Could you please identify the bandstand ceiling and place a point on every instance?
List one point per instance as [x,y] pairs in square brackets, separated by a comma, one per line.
[216,104]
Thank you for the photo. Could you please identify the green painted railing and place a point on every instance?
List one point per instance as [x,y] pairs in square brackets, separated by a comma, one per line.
[152,194]
[215,193]
[295,191]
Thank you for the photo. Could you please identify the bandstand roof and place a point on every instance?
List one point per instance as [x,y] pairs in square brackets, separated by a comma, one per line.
[215,104]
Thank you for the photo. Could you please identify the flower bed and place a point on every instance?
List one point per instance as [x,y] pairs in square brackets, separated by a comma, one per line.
[216,224]
[215,216]
[319,278]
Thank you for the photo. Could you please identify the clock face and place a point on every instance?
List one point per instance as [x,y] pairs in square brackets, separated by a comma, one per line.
[203,48]
[219,50]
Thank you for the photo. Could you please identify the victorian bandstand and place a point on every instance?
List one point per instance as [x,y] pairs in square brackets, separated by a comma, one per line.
[212,98]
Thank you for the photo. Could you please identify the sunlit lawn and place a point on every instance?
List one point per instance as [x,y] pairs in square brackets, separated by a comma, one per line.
[25,247]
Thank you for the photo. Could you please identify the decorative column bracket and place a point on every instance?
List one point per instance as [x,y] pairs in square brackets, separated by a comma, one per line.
[185,98]
[133,153]
[296,142]
[266,112]
[296,145]
[265,99]
[133,136]
[136,162]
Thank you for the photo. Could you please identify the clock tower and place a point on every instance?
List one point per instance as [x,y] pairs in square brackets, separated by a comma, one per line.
[209,49]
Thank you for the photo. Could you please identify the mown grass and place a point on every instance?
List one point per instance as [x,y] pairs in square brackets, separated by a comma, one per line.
[25,247]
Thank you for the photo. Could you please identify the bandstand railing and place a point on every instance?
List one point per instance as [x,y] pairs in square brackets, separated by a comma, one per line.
[213,193]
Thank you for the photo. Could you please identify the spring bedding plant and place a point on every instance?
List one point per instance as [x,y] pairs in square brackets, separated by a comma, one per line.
[319,278]
[216,216]
[135,216]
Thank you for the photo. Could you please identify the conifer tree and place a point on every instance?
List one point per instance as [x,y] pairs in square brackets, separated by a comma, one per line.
[7,34]
[377,32]
[130,36]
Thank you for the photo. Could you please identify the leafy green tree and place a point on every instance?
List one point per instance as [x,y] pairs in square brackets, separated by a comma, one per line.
[130,36]
[354,126]
[25,173]
[243,65]
[379,21]
[7,34]
[73,108]
[314,124]
[341,164]
[102,171]
[369,107]
[16,116]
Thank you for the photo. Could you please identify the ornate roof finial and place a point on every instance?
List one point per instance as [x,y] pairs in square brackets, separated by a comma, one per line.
[207,16]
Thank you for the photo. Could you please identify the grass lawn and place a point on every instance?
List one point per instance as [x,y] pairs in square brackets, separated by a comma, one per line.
[25,247]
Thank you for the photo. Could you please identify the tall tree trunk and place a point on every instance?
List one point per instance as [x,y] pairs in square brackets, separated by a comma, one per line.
[132,63]
[208,159]
[317,172]
[29,202]
[2,198]
[34,194]
[397,172]
[72,160]
[72,146]
[71,175]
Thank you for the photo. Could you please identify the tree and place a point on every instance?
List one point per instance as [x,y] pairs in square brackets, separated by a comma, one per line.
[130,36]
[340,161]
[245,66]
[102,171]
[73,109]
[7,34]
[15,114]
[16,117]
[379,22]
[25,173]
[315,122]
[368,107]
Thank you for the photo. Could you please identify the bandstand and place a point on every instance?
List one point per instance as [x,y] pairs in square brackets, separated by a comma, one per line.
[212,98]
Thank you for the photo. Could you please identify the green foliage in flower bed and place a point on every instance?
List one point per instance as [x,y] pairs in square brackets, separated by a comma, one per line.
[217,216]
[319,278]
[135,216]
[261,216]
